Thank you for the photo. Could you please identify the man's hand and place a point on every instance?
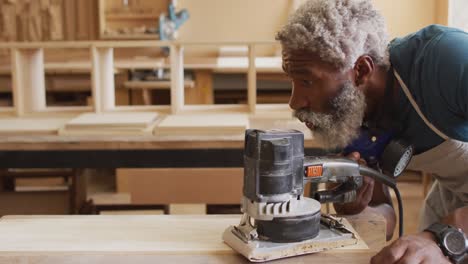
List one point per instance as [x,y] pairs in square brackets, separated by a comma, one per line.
[363,194]
[418,248]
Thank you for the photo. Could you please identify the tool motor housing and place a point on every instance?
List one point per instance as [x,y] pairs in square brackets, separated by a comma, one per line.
[273,165]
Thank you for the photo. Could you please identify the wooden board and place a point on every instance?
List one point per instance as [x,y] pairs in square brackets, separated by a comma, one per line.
[206,124]
[143,238]
[108,132]
[36,126]
[112,123]
[43,202]
[139,120]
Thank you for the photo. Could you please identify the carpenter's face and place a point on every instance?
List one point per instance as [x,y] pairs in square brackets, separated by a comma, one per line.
[324,98]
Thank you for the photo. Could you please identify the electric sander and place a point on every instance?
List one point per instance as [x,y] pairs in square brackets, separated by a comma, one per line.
[278,221]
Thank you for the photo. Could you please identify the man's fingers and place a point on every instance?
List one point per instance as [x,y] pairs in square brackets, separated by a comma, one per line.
[364,195]
[410,256]
[362,162]
[354,156]
[368,192]
[366,182]
[391,253]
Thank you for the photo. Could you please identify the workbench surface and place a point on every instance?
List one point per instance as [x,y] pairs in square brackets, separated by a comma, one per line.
[151,239]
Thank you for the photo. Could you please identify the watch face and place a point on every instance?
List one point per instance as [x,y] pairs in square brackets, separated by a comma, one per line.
[454,242]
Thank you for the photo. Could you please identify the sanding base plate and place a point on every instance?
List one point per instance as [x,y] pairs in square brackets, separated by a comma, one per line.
[260,251]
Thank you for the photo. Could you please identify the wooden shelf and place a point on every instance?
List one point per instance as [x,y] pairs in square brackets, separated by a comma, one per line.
[131,16]
[130,36]
[113,16]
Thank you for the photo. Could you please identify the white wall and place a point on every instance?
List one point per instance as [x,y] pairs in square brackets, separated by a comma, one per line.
[233,20]
[458,14]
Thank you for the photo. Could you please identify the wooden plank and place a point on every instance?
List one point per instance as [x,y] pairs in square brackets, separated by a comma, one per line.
[110,198]
[177,78]
[181,185]
[131,212]
[106,132]
[61,111]
[28,126]
[139,120]
[70,19]
[210,109]
[156,85]
[163,109]
[344,258]
[49,202]
[128,142]
[159,234]
[192,124]
[28,81]
[101,17]
[54,20]
[102,63]
[187,209]
[112,123]
[9,21]
[371,227]
[83,13]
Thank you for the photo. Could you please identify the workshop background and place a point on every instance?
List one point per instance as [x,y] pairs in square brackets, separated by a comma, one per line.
[90,122]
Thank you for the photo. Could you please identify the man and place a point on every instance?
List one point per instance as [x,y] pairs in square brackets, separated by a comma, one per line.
[345,74]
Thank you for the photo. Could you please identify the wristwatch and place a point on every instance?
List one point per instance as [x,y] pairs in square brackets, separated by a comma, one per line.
[452,241]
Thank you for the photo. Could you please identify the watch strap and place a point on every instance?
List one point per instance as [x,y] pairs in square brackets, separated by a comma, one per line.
[439,230]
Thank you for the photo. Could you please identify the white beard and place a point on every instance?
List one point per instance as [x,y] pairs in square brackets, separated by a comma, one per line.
[339,128]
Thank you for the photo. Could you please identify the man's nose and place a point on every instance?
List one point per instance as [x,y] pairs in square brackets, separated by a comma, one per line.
[298,100]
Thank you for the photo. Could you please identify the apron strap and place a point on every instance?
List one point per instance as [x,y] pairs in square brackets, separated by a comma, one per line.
[416,107]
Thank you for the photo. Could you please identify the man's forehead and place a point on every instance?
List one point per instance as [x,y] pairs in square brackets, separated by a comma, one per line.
[303,62]
[299,62]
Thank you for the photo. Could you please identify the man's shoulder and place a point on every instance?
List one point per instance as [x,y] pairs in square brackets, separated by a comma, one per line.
[421,39]
[429,62]
[422,52]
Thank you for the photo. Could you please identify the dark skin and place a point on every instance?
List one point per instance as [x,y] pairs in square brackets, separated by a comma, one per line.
[315,84]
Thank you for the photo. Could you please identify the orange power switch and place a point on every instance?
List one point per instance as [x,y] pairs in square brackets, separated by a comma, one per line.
[314,171]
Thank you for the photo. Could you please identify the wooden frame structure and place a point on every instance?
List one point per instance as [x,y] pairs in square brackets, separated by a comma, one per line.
[27,71]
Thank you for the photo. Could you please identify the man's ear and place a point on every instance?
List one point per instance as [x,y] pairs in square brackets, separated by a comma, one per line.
[363,69]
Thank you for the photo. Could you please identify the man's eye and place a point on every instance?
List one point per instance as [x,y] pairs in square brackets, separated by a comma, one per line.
[306,82]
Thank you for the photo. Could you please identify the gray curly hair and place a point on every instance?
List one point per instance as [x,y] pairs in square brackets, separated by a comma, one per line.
[339,31]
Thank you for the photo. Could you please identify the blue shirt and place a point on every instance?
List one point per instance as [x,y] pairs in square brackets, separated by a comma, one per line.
[433,63]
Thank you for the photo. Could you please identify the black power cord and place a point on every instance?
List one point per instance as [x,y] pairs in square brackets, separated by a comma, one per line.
[390,182]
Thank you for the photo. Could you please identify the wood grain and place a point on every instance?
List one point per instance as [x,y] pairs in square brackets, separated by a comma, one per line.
[143,237]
